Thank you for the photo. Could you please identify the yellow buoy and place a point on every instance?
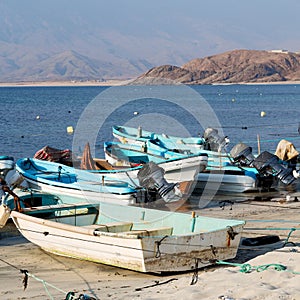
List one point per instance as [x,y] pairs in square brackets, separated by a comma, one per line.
[262,113]
[70,129]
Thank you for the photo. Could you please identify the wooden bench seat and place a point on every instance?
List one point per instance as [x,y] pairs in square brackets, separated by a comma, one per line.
[163,231]
[114,227]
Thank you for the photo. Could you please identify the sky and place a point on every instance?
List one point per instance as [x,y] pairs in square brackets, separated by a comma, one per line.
[272,18]
[175,29]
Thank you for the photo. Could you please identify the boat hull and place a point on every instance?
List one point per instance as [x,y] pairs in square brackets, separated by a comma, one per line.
[69,182]
[223,183]
[143,249]
[139,136]
[68,194]
[182,169]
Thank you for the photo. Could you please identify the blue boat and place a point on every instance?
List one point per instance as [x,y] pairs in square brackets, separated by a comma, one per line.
[65,181]
[221,177]
[139,136]
[222,173]
[211,144]
[178,167]
[55,178]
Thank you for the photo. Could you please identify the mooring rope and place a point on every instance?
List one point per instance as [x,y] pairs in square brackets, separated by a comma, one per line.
[69,295]
[248,268]
[287,238]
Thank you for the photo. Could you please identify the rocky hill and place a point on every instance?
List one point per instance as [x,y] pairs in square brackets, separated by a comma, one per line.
[238,66]
[65,66]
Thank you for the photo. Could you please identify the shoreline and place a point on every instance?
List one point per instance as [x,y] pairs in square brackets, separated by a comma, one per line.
[119,82]
[64,83]
[222,281]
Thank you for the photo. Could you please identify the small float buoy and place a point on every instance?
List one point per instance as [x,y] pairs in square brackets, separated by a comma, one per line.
[70,129]
[38,117]
[233,100]
[136,113]
[262,114]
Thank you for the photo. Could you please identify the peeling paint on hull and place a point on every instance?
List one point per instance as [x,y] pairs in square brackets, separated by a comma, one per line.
[139,254]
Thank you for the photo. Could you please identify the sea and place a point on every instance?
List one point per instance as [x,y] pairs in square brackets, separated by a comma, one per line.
[68,117]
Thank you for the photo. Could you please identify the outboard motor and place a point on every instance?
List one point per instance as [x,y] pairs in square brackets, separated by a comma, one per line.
[268,163]
[214,141]
[242,153]
[151,176]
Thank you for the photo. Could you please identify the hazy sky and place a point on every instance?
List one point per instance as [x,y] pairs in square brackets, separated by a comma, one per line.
[203,27]
[272,17]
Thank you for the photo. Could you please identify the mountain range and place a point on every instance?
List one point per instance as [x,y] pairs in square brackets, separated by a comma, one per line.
[59,40]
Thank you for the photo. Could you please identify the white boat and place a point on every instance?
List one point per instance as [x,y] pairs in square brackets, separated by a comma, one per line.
[135,238]
[60,179]
[178,167]
[221,177]
[69,182]
[223,173]
[224,180]
[182,172]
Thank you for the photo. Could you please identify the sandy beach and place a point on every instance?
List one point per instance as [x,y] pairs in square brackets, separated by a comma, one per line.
[52,277]
[113,82]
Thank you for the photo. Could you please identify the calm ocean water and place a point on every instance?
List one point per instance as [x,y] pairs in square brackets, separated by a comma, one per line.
[33,117]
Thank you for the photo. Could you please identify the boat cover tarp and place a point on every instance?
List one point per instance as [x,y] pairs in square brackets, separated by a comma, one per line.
[54,155]
[286,150]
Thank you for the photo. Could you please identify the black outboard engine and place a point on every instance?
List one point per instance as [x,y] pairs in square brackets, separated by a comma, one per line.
[268,163]
[242,153]
[214,141]
[151,177]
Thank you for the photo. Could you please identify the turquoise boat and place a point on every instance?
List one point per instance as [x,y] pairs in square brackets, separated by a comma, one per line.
[222,174]
[130,237]
[59,179]
[178,167]
[105,186]
[184,145]
[139,136]
[33,198]
[218,177]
